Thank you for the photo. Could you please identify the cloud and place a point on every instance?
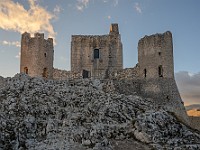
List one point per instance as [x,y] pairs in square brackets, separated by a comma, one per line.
[57,9]
[18,55]
[9,43]
[82,4]
[14,17]
[138,8]
[189,86]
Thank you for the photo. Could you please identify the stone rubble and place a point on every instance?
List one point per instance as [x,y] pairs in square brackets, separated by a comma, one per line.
[81,114]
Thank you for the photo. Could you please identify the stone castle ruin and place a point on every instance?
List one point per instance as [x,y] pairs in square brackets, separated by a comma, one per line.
[110,109]
[97,56]
[101,57]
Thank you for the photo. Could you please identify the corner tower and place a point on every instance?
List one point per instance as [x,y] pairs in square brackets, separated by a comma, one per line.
[36,55]
[156,73]
[155,56]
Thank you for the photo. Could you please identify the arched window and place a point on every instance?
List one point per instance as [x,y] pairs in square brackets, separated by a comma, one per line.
[45,54]
[26,70]
[160,71]
[145,73]
[45,73]
[96,53]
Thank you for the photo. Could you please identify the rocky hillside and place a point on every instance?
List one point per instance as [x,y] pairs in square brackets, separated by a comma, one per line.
[84,114]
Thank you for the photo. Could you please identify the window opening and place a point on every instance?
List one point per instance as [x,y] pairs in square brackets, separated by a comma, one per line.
[45,74]
[145,73]
[96,53]
[160,71]
[26,70]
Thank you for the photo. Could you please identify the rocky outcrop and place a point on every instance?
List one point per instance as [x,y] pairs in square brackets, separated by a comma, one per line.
[85,114]
[2,82]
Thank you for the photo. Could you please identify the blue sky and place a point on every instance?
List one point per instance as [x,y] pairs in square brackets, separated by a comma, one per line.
[136,18]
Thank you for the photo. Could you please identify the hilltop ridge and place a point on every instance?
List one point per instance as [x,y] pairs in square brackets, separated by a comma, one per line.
[81,114]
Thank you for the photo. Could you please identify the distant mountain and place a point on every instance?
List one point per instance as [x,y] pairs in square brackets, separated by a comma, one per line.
[195,112]
[192,107]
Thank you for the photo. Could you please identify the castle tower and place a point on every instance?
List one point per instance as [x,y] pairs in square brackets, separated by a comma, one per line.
[156,73]
[36,55]
[95,55]
[155,56]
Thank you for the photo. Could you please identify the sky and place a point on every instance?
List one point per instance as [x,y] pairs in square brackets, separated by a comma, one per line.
[136,18]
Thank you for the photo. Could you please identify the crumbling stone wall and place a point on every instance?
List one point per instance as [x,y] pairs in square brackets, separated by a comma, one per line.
[65,75]
[127,73]
[37,55]
[97,54]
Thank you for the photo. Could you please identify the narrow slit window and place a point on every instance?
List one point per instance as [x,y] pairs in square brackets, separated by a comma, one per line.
[45,74]
[160,71]
[96,53]
[145,73]
[26,70]
[45,54]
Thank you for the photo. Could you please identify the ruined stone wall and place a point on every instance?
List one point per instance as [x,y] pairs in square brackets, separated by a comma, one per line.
[110,53]
[37,55]
[127,73]
[153,52]
[65,75]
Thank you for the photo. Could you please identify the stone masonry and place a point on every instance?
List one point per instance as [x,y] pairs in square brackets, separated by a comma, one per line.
[37,55]
[95,55]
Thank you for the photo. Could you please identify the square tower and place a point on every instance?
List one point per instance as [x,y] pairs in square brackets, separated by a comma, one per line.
[36,55]
[97,54]
[155,56]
